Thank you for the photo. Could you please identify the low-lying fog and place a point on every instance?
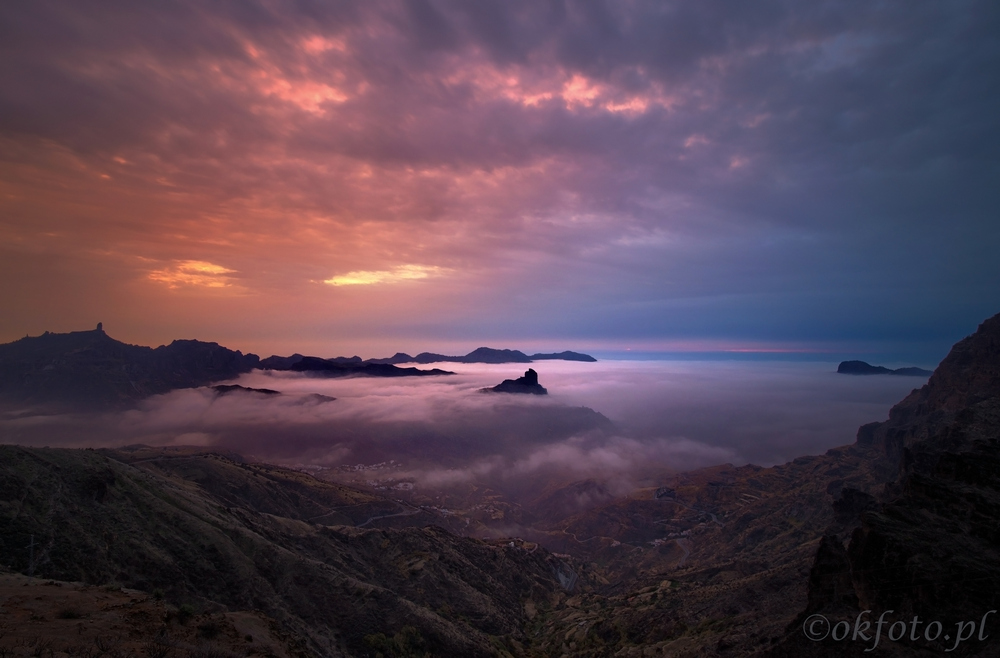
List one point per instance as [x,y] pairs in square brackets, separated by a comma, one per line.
[649,418]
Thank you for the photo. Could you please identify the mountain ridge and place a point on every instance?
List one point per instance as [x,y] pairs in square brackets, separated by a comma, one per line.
[484,355]
[89,369]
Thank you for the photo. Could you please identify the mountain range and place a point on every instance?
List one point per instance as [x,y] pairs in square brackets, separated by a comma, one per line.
[485,355]
[89,370]
[723,561]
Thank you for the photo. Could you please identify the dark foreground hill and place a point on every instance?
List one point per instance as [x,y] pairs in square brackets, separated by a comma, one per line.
[221,536]
[44,617]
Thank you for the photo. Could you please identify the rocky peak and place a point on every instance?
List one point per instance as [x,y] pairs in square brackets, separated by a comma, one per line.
[526,384]
[968,375]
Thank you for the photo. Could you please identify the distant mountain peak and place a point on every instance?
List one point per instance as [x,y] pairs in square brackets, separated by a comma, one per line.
[90,370]
[492,355]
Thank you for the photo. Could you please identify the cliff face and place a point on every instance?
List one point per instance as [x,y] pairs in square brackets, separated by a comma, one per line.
[968,375]
[933,548]
[928,547]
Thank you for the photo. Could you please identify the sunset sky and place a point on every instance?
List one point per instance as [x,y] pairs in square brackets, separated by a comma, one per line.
[361,178]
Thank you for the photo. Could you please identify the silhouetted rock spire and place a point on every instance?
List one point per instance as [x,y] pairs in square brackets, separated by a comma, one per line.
[526,384]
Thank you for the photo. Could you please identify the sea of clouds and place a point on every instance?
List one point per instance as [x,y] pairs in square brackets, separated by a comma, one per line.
[623,422]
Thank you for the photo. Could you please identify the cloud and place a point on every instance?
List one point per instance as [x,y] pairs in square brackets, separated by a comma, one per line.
[611,419]
[194,273]
[604,430]
[802,161]
[397,274]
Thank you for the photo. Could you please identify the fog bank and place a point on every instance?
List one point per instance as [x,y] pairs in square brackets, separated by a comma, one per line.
[611,419]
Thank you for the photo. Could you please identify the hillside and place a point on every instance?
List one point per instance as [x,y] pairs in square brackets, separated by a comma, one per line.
[44,617]
[219,535]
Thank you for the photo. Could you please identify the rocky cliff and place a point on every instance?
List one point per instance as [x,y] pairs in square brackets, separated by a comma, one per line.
[926,547]
[970,374]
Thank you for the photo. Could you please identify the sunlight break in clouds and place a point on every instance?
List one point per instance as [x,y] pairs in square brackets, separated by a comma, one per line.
[194,273]
[397,274]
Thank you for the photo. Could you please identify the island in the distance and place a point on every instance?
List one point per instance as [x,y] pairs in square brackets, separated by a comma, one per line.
[482,355]
[863,368]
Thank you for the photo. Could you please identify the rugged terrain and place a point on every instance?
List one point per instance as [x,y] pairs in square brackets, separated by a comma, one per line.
[221,536]
[725,561]
[52,618]
[903,522]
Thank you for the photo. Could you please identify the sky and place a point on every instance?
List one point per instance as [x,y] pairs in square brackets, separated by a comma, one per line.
[360,178]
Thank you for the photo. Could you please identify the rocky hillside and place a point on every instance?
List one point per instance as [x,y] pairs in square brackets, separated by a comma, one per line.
[970,374]
[927,545]
[220,536]
[44,617]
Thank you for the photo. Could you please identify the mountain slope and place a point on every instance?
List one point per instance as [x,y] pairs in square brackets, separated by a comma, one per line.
[928,545]
[213,532]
